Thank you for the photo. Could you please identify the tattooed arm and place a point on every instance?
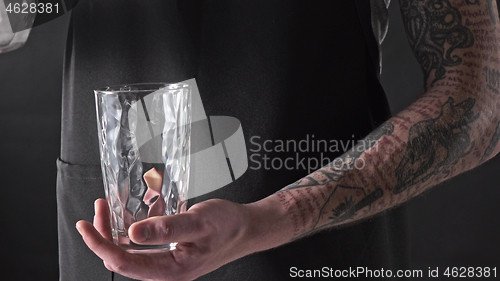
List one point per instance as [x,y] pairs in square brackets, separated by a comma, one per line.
[452,127]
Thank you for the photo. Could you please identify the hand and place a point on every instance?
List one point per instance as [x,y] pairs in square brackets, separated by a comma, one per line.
[209,235]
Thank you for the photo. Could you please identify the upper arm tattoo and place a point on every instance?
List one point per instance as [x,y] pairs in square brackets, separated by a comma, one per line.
[434,29]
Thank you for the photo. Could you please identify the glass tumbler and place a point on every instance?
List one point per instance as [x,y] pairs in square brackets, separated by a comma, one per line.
[145,141]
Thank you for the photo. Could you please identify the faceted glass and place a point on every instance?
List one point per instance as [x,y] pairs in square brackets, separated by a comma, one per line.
[145,141]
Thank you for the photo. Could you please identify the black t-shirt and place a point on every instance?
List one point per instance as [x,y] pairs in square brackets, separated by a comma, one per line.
[288,70]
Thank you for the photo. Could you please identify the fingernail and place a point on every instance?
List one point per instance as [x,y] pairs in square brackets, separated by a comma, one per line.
[78,228]
[141,233]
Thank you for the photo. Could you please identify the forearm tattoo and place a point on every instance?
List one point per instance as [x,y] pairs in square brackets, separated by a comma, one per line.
[435,145]
[306,202]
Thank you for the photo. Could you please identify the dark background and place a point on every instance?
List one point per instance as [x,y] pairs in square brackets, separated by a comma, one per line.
[455,224]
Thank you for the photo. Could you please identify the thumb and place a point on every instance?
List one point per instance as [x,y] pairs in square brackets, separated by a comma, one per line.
[185,227]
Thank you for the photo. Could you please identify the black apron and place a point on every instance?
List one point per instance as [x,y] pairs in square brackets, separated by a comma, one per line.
[287,70]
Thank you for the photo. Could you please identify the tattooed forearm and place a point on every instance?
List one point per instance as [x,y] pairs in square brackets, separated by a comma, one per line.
[348,209]
[434,29]
[437,144]
[298,198]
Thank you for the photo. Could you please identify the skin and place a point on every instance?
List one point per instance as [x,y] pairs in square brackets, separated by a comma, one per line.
[452,127]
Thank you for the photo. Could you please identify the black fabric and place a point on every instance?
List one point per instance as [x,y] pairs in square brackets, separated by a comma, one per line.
[77,187]
[285,69]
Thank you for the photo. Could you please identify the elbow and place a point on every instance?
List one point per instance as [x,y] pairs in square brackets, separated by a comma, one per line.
[493,144]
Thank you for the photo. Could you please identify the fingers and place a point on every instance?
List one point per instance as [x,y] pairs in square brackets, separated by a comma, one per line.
[115,258]
[184,227]
[102,247]
[102,222]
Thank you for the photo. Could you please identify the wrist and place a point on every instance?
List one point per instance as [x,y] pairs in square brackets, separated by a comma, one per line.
[268,224]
